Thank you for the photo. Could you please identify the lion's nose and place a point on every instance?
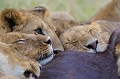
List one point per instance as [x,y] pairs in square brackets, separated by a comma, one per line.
[92,45]
[49,41]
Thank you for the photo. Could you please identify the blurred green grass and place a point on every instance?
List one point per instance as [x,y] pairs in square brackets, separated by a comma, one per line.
[81,10]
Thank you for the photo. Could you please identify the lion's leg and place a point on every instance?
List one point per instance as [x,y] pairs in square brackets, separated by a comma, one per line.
[117,53]
[117,50]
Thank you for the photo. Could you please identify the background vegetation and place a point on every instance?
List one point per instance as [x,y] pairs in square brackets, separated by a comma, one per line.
[81,10]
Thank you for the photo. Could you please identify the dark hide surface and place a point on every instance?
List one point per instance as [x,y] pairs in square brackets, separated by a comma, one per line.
[83,65]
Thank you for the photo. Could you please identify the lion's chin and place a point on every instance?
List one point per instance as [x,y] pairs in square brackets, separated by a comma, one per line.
[45,60]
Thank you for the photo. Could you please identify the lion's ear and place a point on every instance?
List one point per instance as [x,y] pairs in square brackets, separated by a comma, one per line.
[47,13]
[11,18]
[42,10]
[96,26]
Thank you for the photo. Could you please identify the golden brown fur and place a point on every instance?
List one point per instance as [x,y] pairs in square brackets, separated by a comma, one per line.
[33,46]
[109,12]
[9,77]
[12,62]
[60,24]
[33,22]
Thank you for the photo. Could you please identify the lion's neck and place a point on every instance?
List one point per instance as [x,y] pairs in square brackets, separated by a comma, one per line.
[9,69]
[11,63]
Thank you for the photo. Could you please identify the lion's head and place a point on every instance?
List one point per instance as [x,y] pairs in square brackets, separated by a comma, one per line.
[37,47]
[86,38]
[12,20]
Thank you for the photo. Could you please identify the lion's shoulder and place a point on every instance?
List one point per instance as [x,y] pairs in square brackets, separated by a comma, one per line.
[109,12]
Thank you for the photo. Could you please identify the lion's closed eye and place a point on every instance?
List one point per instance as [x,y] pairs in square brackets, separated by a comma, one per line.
[20,41]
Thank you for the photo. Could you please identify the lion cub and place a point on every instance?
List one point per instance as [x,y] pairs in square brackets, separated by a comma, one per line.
[33,46]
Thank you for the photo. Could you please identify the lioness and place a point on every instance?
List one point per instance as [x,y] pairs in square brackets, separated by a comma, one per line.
[60,24]
[92,37]
[109,12]
[33,22]
[33,46]
[13,63]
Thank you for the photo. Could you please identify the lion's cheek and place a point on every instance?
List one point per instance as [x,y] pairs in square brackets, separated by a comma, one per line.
[101,47]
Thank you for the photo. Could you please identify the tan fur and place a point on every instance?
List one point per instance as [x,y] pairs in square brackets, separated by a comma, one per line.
[109,12]
[12,20]
[13,63]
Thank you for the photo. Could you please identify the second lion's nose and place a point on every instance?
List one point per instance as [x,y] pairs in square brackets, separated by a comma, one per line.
[49,41]
[92,45]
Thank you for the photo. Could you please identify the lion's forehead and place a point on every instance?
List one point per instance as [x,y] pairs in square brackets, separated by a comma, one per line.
[38,23]
[80,33]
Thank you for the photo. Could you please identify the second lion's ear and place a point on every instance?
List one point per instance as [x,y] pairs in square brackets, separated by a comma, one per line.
[96,26]
[11,18]
[42,10]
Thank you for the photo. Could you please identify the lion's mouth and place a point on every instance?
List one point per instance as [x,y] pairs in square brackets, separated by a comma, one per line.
[45,59]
